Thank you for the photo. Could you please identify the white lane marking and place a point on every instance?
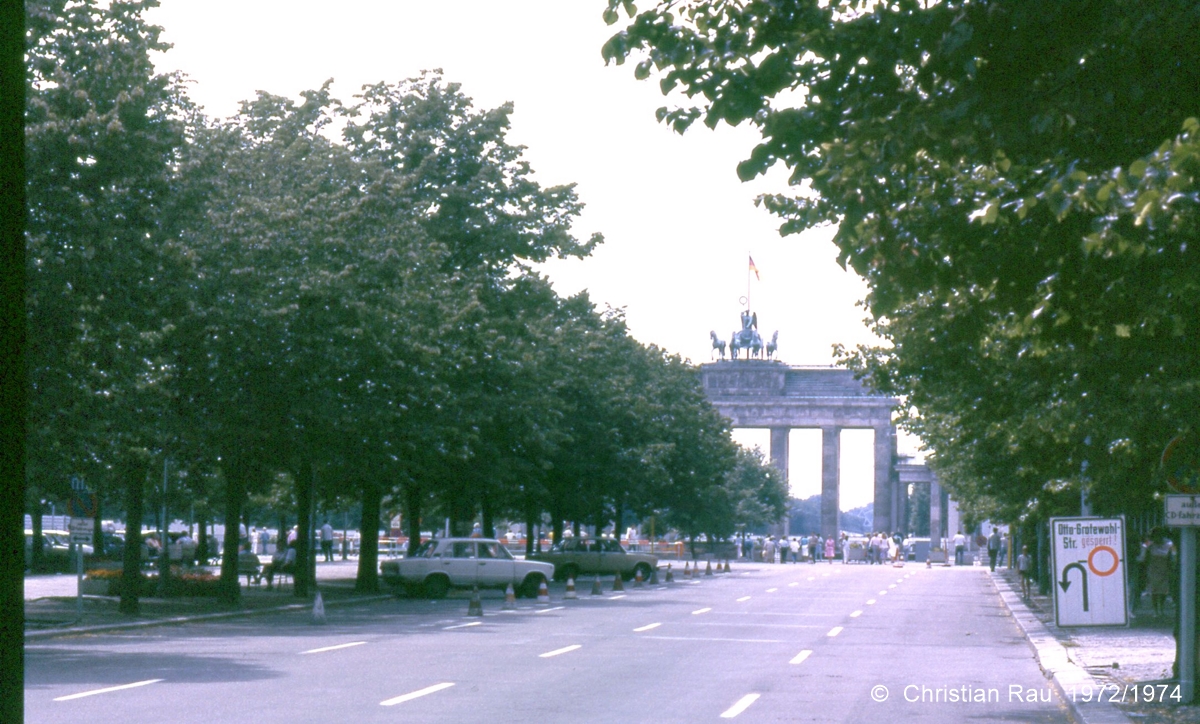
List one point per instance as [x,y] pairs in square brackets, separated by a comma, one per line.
[834,631]
[800,657]
[772,590]
[563,650]
[465,625]
[547,610]
[892,586]
[871,602]
[741,706]
[332,648]
[93,692]
[856,614]
[614,598]
[416,694]
[793,583]
[743,598]
[699,611]
[812,578]
[647,627]
[883,593]
[824,575]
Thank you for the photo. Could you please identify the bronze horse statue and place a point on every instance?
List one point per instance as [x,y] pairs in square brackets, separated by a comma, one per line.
[773,345]
[718,344]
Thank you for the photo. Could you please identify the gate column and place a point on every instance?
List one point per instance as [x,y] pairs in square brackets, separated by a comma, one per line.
[779,458]
[885,494]
[830,463]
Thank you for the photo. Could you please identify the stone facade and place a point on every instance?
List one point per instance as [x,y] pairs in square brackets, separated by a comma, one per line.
[772,395]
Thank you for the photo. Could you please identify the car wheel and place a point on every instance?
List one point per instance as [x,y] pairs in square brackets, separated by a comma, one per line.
[530,586]
[437,586]
[570,571]
[645,569]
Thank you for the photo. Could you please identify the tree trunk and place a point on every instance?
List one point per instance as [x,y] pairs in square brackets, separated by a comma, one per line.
[575,529]
[412,504]
[236,481]
[367,580]
[556,516]
[487,518]
[303,575]
[37,559]
[530,533]
[202,539]
[135,481]
[619,518]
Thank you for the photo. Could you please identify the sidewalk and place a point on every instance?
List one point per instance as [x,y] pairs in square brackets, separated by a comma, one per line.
[51,603]
[1081,660]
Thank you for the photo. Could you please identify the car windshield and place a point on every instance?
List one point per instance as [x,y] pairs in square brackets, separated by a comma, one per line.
[494,550]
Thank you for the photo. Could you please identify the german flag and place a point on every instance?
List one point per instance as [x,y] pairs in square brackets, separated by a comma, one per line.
[754,269]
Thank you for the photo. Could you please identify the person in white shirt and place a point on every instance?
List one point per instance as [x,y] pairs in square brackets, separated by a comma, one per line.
[960,548]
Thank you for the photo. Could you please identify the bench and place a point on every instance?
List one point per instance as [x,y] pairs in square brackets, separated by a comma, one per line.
[251,570]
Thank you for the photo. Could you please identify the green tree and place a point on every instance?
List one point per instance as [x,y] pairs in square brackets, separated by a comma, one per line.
[103,134]
[1016,182]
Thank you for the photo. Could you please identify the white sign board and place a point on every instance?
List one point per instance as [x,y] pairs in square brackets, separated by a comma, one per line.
[1183,511]
[1089,571]
[81,530]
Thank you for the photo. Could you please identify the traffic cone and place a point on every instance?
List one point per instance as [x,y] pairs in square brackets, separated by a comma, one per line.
[475,608]
[637,578]
[596,590]
[687,572]
[510,599]
[543,593]
[653,576]
[708,568]
[726,565]
[318,612]
[571,589]
[617,584]
[670,574]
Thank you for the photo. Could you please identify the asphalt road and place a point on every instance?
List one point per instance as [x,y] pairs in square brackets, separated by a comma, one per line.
[825,643]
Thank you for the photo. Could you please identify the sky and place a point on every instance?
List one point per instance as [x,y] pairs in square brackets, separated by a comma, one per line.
[679,226]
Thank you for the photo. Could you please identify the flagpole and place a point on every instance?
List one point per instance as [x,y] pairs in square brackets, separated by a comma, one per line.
[748,258]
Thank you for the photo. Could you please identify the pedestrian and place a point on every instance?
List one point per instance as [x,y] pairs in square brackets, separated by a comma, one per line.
[327,541]
[1025,570]
[829,549]
[960,548]
[292,535]
[993,548]
[794,546]
[1158,559]
[880,547]
[769,550]
[264,540]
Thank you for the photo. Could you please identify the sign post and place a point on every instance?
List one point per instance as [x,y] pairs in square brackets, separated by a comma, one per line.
[81,535]
[1183,511]
[1088,558]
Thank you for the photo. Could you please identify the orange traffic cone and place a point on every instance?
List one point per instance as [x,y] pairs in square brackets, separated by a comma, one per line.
[726,565]
[708,568]
[571,588]
[475,607]
[543,593]
[617,584]
[687,572]
[510,599]
[670,574]
[596,590]
[637,578]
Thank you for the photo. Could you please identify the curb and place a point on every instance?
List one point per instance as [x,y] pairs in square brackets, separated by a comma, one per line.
[1056,663]
[50,633]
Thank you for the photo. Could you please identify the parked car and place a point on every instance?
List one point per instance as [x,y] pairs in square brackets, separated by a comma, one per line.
[57,553]
[447,563]
[916,549]
[579,556]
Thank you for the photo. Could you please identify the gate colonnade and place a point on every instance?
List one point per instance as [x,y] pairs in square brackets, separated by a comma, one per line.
[778,397]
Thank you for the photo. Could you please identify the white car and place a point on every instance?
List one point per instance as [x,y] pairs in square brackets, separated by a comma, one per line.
[447,563]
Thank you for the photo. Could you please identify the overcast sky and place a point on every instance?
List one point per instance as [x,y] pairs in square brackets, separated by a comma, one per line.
[679,226]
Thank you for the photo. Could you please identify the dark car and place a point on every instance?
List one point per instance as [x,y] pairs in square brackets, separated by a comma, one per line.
[580,556]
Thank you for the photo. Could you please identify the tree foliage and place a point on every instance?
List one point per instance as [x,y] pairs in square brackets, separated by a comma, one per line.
[1017,184]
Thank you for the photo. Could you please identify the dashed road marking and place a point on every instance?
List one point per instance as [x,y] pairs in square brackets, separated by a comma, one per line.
[883,593]
[563,650]
[772,590]
[647,627]
[334,648]
[793,583]
[741,706]
[892,585]
[699,611]
[617,597]
[800,657]
[465,625]
[547,610]
[416,694]
[122,687]
[834,631]
[743,599]
[856,614]
[871,602]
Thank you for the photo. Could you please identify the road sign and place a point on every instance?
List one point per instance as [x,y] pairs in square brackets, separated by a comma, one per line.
[81,530]
[1183,511]
[1181,462]
[82,505]
[1089,571]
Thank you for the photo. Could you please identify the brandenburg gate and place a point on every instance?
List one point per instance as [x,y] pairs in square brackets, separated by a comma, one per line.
[769,394]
